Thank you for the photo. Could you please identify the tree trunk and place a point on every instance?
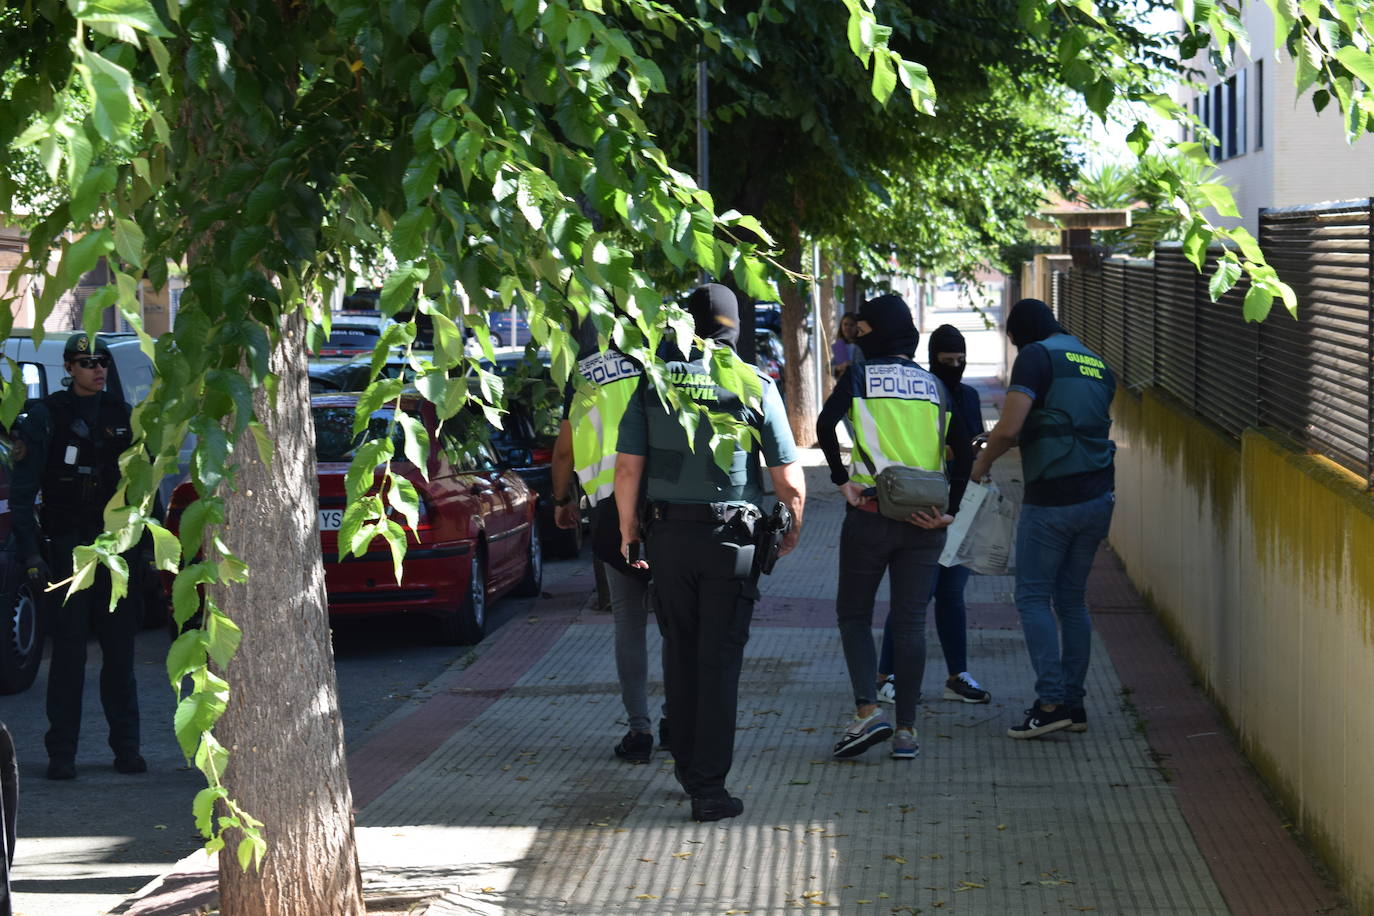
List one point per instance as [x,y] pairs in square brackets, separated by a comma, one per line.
[282,726]
[800,370]
[853,290]
[830,323]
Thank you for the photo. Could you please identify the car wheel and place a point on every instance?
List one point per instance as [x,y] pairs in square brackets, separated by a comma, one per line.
[497,340]
[468,624]
[21,642]
[533,582]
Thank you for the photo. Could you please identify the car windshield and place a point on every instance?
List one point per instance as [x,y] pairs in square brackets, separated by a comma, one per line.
[334,438]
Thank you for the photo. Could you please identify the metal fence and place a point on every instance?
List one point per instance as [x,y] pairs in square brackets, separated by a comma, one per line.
[1311,378]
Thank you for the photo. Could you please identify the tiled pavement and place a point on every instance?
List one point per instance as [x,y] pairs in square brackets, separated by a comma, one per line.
[500,791]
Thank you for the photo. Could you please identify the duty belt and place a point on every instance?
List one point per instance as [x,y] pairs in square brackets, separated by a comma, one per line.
[717,513]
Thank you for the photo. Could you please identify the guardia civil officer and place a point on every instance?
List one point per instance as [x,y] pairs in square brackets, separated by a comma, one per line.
[700,530]
[1057,410]
[586,448]
[895,407]
[69,447]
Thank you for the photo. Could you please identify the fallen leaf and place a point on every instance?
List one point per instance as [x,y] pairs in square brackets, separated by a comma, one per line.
[736,912]
[646,896]
[884,896]
[682,855]
[800,782]
[159,826]
[488,890]
[898,859]
[809,894]
[650,861]
[1001,826]
[783,828]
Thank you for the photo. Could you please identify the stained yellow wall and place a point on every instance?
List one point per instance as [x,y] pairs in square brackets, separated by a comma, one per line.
[1260,560]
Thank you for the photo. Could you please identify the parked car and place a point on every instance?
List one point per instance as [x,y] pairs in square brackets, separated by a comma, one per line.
[354,331]
[476,540]
[42,370]
[768,316]
[21,624]
[768,355]
[509,328]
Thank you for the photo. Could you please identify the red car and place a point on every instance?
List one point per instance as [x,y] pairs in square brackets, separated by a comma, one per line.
[476,539]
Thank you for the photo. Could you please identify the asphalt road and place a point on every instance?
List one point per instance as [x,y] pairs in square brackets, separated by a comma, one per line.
[86,845]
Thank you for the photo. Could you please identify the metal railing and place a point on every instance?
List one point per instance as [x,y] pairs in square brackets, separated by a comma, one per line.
[1311,378]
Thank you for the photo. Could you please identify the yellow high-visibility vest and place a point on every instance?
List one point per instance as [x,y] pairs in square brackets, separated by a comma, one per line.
[595,412]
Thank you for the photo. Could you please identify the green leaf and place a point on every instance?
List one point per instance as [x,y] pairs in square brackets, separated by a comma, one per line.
[1359,63]
[1257,303]
[1218,196]
[405,499]
[166,548]
[222,637]
[135,14]
[416,441]
[1195,242]
[884,78]
[128,241]
[112,111]
[409,237]
[251,849]
[197,714]
[186,655]
[203,807]
[1225,277]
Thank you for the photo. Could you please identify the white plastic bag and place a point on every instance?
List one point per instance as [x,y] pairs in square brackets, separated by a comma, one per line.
[983,536]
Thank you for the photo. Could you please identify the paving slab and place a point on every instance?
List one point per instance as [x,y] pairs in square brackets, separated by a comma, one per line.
[498,791]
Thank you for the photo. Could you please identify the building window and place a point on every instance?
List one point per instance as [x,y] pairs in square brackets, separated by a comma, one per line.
[1259,103]
[1218,125]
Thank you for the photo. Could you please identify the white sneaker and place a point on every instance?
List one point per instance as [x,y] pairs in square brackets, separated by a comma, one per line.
[887,691]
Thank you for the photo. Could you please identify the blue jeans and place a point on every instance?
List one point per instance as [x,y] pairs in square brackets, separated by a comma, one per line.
[1055,546]
[950,621]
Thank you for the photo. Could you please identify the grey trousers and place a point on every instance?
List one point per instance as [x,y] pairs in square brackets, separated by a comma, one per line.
[630,613]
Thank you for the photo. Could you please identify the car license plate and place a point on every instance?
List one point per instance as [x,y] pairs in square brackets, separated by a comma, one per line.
[331,519]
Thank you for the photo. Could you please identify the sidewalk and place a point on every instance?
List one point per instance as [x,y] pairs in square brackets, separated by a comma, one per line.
[499,793]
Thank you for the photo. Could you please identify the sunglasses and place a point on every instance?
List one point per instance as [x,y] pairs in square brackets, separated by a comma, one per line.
[93,362]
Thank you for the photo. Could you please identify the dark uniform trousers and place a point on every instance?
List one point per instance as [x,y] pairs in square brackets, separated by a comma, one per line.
[71,625]
[704,611]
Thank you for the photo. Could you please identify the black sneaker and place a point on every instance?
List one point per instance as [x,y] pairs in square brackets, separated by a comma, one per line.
[130,763]
[715,809]
[1079,718]
[61,769]
[1041,721]
[963,687]
[636,747]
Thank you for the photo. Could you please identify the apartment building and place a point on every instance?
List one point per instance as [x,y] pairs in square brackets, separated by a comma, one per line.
[1275,150]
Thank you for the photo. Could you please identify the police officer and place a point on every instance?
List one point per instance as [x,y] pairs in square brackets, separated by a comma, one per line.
[1057,409]
[70,443]
[700,524]
[895,408]
[586,447]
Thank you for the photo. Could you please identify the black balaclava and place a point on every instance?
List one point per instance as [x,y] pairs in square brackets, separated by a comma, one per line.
[893,332]
[1031,321]
[946,339]
[715,309]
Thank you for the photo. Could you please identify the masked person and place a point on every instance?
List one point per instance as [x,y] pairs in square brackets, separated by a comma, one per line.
[1057,407]
[69,445]
[948,356]
[896,409]
[700,539]
[586,445]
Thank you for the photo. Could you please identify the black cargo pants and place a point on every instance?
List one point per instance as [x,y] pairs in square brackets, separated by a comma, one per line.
[704,608]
